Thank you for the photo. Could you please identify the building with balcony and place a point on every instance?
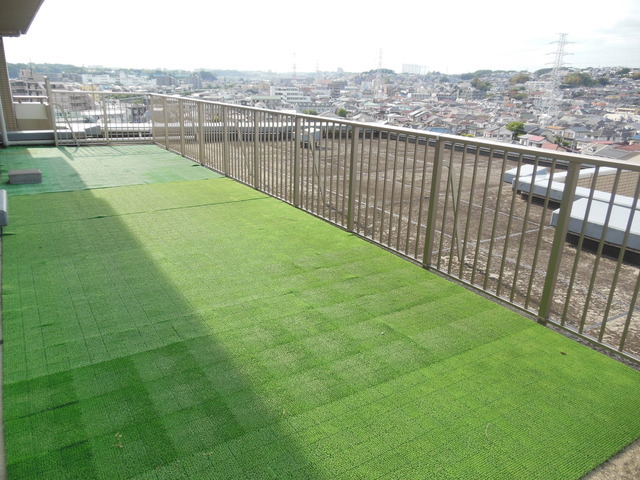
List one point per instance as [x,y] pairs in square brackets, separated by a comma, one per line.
[289,95]
[28,85]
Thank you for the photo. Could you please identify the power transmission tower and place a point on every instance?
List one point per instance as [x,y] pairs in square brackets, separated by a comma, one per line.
[552,96]
[379,83]
[294,66]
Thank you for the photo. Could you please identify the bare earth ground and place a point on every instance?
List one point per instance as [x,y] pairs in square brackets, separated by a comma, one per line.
[624,466]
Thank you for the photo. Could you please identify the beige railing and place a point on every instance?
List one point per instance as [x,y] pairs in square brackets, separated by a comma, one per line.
[552,234]
[88,117]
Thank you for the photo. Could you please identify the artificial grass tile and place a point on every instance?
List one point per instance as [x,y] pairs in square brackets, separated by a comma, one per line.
[228,468]
[206,349]
[199,465]
[44,431]
[122,343]
[185,327]
[290,357]
[168,361]
[132,450]
[227,378]
[341,313]
[117,410]
[254,441]
[175,393]
[39,394]
[250,411]
[101,378]
[98,350]
[73,462]
[201,427]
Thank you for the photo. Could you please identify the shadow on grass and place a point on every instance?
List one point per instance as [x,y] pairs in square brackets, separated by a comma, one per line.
[110,372]
[49,160]
[202,330]
[72,168]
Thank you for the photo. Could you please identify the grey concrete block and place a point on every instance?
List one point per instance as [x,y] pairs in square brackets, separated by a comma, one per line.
[17,177]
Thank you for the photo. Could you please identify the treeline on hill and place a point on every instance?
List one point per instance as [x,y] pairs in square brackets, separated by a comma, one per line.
[57,68]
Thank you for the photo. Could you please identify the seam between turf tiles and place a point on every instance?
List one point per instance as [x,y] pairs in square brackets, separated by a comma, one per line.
[143,212]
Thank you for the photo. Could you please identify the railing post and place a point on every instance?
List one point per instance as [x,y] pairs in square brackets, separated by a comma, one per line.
[152,118]
[297,152]
[351,198]
[105,114]
[181,117]
[555,256]
[225,139]
[52,111]
[201,149]
[256,150]
[434,194]
[165,114]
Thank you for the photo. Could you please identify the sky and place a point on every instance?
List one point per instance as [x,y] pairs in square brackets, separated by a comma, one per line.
[456,37]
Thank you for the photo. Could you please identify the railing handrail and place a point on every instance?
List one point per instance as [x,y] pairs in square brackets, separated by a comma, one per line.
[494,145]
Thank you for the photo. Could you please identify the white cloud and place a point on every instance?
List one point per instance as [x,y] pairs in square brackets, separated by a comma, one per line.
[449,37]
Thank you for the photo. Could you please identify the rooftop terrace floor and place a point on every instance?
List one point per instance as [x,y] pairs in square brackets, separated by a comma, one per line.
[180,325]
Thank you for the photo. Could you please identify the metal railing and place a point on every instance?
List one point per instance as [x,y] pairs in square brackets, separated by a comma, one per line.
[89,117]
[554,235]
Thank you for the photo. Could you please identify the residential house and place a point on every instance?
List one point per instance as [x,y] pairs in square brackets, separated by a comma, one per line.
[498,133]
[529,140]
[613,151]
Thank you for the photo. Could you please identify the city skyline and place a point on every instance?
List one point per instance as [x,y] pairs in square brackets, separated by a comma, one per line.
[282,36]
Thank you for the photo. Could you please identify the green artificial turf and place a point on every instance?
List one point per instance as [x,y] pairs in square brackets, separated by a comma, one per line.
[71,168]
[199,329]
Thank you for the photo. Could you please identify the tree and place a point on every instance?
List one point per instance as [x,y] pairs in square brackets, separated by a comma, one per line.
[517,128]
[382,71]
[480,84]
[207,76]
[341,112]
[519,78]
[578,79]
[543,71]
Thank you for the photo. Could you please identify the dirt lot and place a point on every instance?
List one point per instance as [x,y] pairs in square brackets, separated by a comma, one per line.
[624,466]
